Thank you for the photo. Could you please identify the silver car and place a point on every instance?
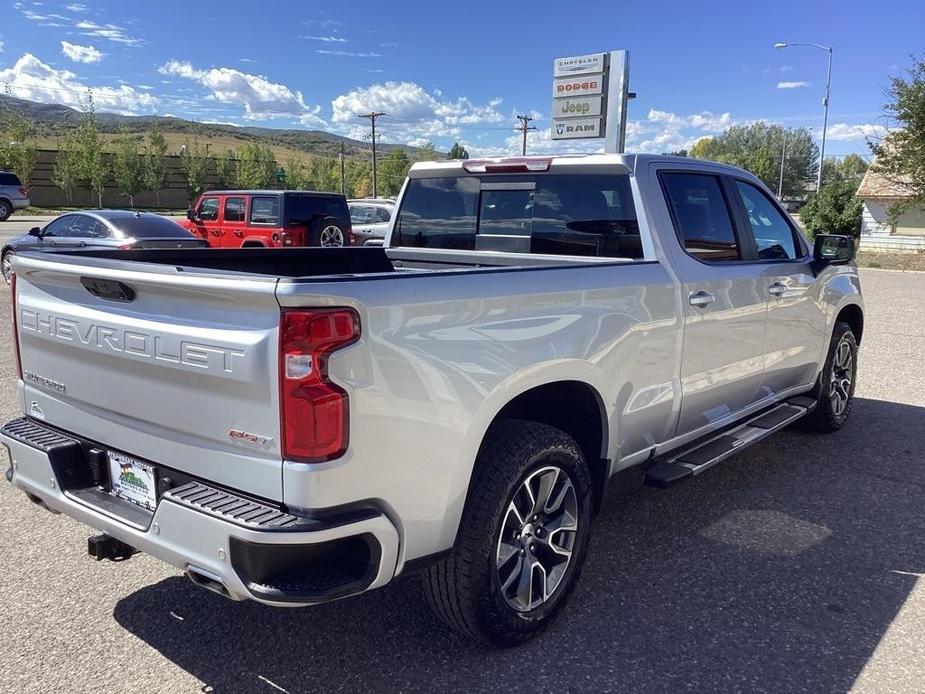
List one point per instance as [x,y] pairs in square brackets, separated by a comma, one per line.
[122,229]
[371,219]
[13,195]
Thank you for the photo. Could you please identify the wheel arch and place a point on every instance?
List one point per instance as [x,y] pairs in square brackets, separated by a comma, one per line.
[853,315]
[253,243]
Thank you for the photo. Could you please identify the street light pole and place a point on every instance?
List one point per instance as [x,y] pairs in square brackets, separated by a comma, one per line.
[825,101]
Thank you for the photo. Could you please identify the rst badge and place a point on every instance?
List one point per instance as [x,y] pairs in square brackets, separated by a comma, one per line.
[248,439]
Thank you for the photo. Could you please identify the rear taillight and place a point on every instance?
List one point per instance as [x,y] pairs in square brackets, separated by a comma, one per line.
[15,324]
[23,192]
[314,412]
[287,238]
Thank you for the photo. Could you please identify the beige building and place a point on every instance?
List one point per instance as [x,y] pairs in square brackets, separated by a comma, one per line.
[906,234]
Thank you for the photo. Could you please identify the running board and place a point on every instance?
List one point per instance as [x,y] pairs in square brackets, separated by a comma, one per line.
[679,466]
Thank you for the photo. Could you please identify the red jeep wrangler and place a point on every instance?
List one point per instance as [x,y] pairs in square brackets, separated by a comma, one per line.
[271,218]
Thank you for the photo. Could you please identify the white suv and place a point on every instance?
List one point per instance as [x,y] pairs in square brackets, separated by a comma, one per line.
[371,219]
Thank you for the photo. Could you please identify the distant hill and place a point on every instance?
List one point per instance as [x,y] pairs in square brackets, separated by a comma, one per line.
[52,120]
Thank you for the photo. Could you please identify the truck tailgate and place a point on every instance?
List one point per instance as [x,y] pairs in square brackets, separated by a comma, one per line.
[174,368]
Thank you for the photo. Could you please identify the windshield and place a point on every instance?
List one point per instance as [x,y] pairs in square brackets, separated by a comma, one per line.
[559,214]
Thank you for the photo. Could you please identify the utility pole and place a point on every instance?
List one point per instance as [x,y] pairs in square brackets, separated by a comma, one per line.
[524,128]
[372,115]
[343,179]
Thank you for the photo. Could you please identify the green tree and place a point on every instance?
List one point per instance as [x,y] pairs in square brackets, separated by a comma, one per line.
[358,175]
[224,168]
[128,167]
[758,148]
[678,153]
[324,174]
[457,151]
[901,153]
[256,167]
[93,168]
[851,167]
[194,158]
[297,175]
[66,173]
[428,152]
[392,172]
[17,148]
[155,168]
[835,209]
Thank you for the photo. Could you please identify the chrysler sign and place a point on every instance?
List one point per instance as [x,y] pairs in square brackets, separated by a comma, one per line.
[579,65]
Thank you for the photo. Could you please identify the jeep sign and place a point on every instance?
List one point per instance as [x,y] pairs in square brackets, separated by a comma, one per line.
[589,95]
[579,106]
[574,128]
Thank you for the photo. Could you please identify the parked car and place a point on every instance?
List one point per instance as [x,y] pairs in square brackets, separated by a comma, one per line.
[454,403]
[121,229]
[371,219]
[271,219]
[13,195]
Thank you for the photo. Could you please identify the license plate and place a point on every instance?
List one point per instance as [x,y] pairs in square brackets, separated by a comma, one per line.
[132,480]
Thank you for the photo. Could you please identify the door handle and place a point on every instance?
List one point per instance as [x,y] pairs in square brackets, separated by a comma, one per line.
[238,233]
[701,298]
[777,289]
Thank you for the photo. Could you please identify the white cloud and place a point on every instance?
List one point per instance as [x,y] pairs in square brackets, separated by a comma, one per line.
[792,85]
[44,19]
[261,98]
[843,131]
[246,60]
[110,32]
[76,7]
[413,112]
[326,39]
[2,46]
[81,54]
[32,79]
[350,54]
[711,122]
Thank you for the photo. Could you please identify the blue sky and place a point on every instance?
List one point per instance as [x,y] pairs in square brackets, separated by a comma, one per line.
[460,71]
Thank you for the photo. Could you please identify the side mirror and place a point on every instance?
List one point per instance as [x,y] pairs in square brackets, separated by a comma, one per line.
[35,231]
[831,249]
[191,214]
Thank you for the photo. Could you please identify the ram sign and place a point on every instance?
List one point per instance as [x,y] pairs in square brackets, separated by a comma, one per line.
[589,95]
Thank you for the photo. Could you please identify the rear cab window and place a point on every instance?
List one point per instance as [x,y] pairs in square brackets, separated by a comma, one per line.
[558,214]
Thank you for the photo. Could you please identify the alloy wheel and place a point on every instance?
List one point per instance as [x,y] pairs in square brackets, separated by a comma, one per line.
[842,374]
[538,534]
[332,237]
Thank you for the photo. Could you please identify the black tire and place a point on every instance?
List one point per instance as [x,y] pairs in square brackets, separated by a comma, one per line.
[7,269]
[465,589]
[6,209]
[833,402]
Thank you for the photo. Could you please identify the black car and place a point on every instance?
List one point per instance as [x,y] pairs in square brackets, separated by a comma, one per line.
[100,229]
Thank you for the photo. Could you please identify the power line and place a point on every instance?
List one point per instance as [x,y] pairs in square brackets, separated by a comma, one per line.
[373,115]
[524,128]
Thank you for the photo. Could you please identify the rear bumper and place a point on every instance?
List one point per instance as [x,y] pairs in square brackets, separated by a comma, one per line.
[19,203]
[263,554]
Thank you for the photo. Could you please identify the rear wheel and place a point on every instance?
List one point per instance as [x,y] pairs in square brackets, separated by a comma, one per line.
[835,390]
[6,209]
[6,265]
[522,538]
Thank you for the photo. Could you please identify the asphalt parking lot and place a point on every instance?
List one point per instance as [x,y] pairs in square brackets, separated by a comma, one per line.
[795,566]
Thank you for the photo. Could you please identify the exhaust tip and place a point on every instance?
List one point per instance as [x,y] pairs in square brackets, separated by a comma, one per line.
[208,580]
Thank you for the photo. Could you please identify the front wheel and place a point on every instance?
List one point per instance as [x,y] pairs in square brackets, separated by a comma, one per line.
[6,209]
[6,265]
[522,537]
[835,390]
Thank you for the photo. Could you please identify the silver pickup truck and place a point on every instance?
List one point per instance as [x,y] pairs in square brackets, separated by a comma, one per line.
[297,425]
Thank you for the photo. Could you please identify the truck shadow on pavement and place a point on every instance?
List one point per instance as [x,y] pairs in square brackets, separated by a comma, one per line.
[780,569]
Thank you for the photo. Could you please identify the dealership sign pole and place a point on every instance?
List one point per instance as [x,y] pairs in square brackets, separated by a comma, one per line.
[590,94]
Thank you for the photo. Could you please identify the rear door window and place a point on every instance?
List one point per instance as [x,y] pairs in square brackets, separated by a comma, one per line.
[558,214]
[265,210]
[701,215]
[235,209]
[383,215]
